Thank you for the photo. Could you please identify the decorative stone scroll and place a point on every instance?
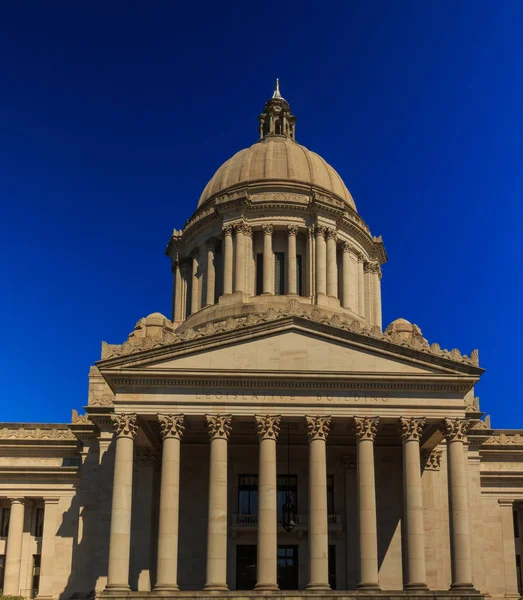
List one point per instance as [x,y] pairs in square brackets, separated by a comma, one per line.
[219,426]
[331,233]
[411,429]
[372,267]
[267,426]
[244,228]
[268,229]
[366,427]
[171,426]
[125,425]
[320,230]
[227,230]
[318,427]
[415,342]
[292,230]
[455,429]
[431,460]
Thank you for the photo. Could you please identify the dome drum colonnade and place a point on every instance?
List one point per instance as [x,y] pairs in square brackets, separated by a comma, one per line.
[275,219]
[410,430]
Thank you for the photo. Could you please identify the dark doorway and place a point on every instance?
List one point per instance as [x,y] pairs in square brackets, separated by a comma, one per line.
[245,566]
[332,567]
[288,567]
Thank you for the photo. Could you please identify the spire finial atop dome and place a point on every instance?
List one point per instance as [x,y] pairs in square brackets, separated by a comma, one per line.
[277,89]
[276,118]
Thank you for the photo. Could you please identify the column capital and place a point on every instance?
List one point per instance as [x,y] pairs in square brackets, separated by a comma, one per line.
[320,230]
[372,266]
[219,426]
[366,428]
[171,426]
[125,425]
[268,229]
[455,430]
[292,230]
[227,230]
[347,247]
[244,228]
[318,427]
[267,426]
[18,500]
[331,233]
[411,429]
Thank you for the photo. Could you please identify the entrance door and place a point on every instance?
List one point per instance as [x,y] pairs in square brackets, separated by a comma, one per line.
[245,566]
[288,567]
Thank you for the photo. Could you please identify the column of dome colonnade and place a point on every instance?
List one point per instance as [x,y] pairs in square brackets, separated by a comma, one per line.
[292,283]
[268,427]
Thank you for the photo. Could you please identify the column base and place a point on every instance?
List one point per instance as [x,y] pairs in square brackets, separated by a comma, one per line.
[318,587]
[266,587]
[372,587]
[166,587]
[469,587]
[117,587]
[416,586]
[216,587]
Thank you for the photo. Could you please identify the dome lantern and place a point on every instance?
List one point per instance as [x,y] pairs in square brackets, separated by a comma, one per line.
[276,118]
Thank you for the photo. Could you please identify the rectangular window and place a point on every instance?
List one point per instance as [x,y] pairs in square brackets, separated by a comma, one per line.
[259,274]
[2,571]
[299,275]
[36,573]
[288,567]
[287,486]
[332,567]
[248,494]
[39,522]
[279,273]
[245,566]
[515,516]
[4,523]
[330,494]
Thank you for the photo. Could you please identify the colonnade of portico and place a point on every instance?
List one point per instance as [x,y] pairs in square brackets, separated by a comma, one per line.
[268,426]
[332,268]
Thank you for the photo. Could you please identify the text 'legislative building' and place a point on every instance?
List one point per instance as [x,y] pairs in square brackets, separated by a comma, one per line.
[271,438]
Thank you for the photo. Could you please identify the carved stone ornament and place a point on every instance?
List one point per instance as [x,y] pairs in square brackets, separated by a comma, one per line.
[411,429]
[166,336]
[366,427]
[227,230]
[36,433]
[267,426]
[292,230]
[318,427]
[347,247]
[432,460]
[104,399]
[77,419]
[125,425]
[455,430]
[372,267]
[505,440]
[267,229]
[320,230]
[171,426]
[219,426]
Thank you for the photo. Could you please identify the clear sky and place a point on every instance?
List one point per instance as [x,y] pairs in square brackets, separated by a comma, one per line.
[113,116]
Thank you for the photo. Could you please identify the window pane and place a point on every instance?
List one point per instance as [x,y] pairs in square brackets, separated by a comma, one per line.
[330,494]
[259,274]
[279,273]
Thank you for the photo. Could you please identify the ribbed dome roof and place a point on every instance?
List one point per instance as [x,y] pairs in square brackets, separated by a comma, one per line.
[277,158]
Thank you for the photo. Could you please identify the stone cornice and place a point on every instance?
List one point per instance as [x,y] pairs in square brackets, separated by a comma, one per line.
[35,432]
[293,309]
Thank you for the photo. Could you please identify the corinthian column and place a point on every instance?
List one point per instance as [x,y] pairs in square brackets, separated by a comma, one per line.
[219,431]
[321,261]
[267,428]
[171,429]
[318,430]
[268,260]
[211,273]
[366,429]
[292,232]
[125,429]
[455,431]
[332,268]
[13,555]
[227,259]
[411,431]
[242,231]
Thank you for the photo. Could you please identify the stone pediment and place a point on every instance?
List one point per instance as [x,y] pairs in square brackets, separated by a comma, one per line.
[290,348]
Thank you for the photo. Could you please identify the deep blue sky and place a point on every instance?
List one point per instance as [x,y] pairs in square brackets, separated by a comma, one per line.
[113,116]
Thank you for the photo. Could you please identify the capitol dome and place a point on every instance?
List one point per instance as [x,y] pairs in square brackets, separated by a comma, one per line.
[277,158]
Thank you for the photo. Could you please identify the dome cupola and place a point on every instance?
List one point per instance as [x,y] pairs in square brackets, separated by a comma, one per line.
[275,223]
